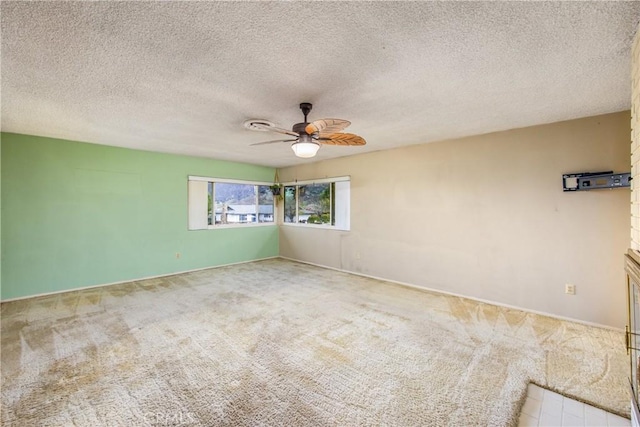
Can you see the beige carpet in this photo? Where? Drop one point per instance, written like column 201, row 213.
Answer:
column 281, row 343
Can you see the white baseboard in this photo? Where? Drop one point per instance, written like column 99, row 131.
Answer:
column 397, row 282
column 439, row 291
column 132, row 280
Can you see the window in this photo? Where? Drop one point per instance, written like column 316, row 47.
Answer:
column 214, row 203
column 318, row 203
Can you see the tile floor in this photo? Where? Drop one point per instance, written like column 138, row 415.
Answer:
column 549, row 409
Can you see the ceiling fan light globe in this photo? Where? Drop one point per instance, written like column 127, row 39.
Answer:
column 305, row 149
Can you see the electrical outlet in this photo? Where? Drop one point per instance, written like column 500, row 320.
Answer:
column 177, row 255
column 357, row 255
column 570, row 289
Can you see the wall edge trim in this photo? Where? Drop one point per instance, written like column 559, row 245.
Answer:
column 438, row 291
column 133, row 280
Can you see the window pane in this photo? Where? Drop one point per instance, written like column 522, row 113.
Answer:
column 210, row 203
column 235, row 203
column 314, row 203
column 333, row 203
column 265, row 204
column 318, row 204
column 290, row 204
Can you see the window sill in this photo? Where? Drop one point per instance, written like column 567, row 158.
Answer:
column 314, row 226
column 225, row 226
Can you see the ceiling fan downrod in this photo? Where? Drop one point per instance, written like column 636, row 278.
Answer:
column 306, row 109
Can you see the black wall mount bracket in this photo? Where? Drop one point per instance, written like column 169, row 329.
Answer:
column 595, row 180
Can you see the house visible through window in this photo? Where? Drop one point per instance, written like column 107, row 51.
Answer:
column 214, row 202
column 239, row 203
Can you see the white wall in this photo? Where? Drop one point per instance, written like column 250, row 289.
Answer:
column 486, row 217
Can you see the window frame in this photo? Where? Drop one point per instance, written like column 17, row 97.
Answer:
column 327, row 226
column 215, row 226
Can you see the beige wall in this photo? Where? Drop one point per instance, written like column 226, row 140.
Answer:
column 486, row 217
column 635, row 141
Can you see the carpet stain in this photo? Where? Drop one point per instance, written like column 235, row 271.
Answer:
column 330, row 355
column 459, row 310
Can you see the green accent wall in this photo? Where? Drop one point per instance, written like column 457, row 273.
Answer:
column 0, row 213
column 77, row 214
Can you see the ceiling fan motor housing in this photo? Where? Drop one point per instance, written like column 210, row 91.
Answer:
column 299, row 128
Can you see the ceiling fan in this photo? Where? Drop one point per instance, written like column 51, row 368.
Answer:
column 309, row 136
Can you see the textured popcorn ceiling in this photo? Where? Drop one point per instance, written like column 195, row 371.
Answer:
column 181, row 77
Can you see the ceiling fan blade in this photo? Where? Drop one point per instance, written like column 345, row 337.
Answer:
column 341, row 139
column 273, row 129
column 274, row 141
column 327, row 126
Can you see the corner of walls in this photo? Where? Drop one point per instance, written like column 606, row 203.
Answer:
column 635, row 141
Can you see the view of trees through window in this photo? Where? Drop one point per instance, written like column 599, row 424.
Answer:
column 231, row 203
column 310, row 204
